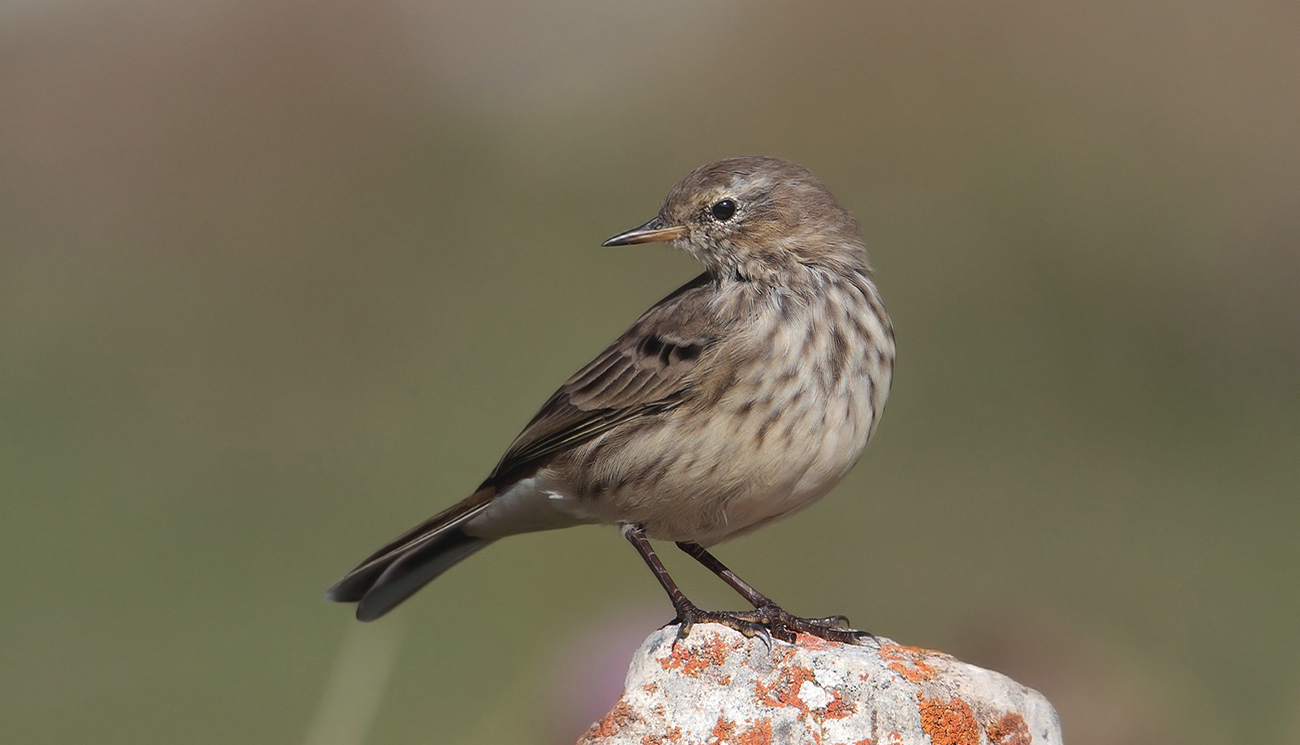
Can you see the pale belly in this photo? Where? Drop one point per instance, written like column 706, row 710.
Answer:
column 714, row 481
column 772, row 446
column 741, row 472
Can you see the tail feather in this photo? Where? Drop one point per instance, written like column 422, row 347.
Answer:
column 395, row 572
column 415, row 569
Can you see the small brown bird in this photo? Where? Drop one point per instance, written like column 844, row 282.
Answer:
column 734, row 402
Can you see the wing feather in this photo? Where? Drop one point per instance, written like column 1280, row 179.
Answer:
column 645, row 372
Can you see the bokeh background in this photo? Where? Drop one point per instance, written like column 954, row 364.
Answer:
column 279, row 279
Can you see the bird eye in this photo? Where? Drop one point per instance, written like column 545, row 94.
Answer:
column 723, row 210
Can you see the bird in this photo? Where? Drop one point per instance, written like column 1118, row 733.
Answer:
column 734, row 402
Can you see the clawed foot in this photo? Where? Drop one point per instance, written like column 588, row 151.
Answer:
column 771, row 620
column 785, row 626
column 688, row 615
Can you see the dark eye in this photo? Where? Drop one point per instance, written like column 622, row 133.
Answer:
column 723, row 209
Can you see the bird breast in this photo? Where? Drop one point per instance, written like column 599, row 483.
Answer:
column 783, row 410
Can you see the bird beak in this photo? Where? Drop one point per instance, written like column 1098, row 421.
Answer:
column 654, row 230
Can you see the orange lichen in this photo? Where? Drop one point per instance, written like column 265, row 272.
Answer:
column 759, row 734
column 785, row 691
column 693, row 662
column 909, row 662
column 1011, row 729
column 723, row 730
column 609, row 725
column 949, row 722
column 838, row 708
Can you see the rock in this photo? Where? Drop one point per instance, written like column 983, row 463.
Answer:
column 718, row 687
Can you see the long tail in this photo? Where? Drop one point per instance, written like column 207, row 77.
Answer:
column 397, row 571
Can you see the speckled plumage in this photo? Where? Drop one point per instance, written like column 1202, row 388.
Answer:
column 737, row 400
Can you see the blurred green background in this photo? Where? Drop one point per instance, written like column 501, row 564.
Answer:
column 279, row 279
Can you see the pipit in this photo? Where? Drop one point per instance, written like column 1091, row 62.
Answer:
column 734, row 402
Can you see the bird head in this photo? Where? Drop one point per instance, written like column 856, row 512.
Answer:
column 753, row 218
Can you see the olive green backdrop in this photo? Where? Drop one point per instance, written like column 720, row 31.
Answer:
column 278, row 280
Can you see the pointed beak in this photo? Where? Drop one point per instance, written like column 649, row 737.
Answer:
column 653, row 231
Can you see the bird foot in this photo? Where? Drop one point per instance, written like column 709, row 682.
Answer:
column 770, row 621
column 743, row 621
column 786, row 626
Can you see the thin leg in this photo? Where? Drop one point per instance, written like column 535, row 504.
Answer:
column 781, row 624
column 746, row 590
column 688, row 614
column 636, row 535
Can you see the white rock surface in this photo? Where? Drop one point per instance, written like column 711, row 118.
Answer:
column 718, row 687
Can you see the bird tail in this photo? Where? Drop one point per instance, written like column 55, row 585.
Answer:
column 395, row 572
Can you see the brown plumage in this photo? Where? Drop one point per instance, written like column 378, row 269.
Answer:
column 737, row 400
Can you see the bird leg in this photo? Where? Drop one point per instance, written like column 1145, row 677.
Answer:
column 781, row 624
column 688, row 614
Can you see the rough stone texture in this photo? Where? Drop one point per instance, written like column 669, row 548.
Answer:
column 718, row 687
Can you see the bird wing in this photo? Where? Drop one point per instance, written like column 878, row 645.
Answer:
column 644, row 372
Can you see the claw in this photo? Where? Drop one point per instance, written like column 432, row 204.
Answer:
column 684, row 630
column 866, row 637
column 787, row 627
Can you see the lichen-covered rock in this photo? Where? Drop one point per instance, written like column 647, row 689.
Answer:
column 718, row 687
